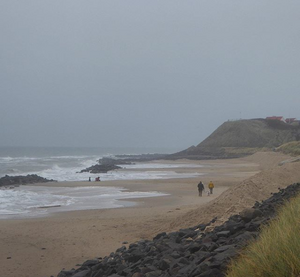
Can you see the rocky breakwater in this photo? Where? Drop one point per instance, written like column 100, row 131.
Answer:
column 104, row 165
column 194, row 252
column 107, row 164
column 112, row 161
column 100, row 168
column 22, row 180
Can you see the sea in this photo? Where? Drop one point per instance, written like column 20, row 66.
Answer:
column 63, row 164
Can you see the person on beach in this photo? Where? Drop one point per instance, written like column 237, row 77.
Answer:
column 89, row 179
column 200, row 188
column 211, row 187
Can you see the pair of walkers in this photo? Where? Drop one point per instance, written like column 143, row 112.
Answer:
column 201, row 187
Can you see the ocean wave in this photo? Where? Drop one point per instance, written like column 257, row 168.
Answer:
column 65, row 168
column 35, row 201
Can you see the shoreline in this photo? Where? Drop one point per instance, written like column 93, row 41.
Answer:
column 43, row 246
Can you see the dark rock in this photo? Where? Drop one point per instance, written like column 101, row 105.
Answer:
column 90, row 263
column 83, row 273
column 156, row 273
column 211, row 273
column 134, row 256
column 252, row 226
column 201, row 227
column 183, row 261
column 100, row 168
column 175, row 255
column 209, row 246
column 160, row 235
column 234, row 226
column 194, row 247
column 185, row 271
column 223, row 234
column 164, row 264
column 190, row 234
column 223, row 248
column 244, row 238
column 205, row 265
column 111, row 161
column 138, row 274
column 223, row 257
column 65, row 273
column 249, row 214
column 22, row 180
column 121, row 249
column 145, row 270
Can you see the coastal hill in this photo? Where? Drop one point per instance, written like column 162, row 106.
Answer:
column 239, row 138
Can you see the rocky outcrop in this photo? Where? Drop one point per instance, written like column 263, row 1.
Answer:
column 112, row 161
column 107, row 164
column 100, row 168
column 194, row 252
column 22, row 180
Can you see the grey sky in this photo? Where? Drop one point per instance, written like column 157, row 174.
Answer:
column 143, row 73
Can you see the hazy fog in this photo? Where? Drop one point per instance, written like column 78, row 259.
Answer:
column 143, row 73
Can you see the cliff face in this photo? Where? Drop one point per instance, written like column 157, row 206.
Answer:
column 238, row 138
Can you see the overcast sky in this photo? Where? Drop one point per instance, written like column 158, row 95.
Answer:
column 143, row 73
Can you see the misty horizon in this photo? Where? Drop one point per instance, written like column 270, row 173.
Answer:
column 143, row 74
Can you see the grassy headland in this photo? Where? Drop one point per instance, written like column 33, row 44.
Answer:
column 234, row 139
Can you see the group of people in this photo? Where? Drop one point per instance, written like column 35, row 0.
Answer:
column 201, row 188
column 97, row 179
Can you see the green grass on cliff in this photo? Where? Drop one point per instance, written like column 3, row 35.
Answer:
column 244, row 150
column 277, row 251
column 290, row 148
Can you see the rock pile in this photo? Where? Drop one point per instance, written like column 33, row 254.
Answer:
column 112, row 161
column 100, row 168
column 107, row 164
column 194, row 252
column 22, row 180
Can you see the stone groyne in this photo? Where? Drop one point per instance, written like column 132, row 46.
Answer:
column 22, row 180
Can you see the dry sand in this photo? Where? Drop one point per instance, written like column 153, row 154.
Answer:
column 41, row 247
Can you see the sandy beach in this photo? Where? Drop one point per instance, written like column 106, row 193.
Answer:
column 42, row 247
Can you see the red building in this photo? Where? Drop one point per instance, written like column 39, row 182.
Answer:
column 280, row 118
column 290, row 120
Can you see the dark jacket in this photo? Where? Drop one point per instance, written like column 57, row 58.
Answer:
column 200, row 186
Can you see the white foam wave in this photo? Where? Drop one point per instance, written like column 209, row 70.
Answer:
column 65, row 168
column 23, row 200
column 161, row 165
column 35, row 201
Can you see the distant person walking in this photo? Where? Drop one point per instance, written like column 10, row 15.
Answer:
column 200, row 188
column 211, row 187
